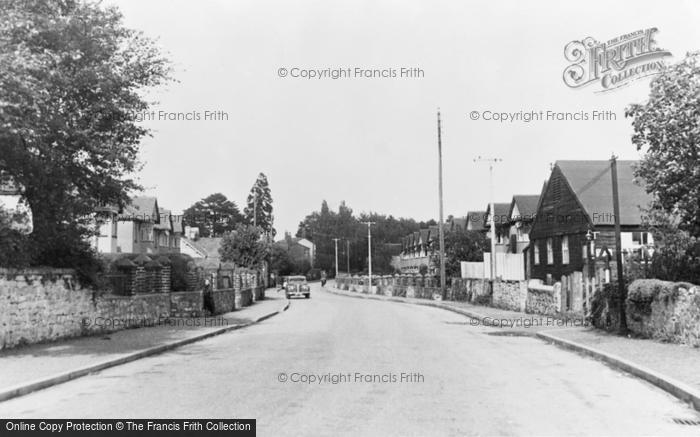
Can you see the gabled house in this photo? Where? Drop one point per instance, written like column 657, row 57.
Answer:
column 575, row 219
column 300, row 250
column 501, row 224
column 141, row 227
column 521, row 214
column 168, row 232
column 476, row 220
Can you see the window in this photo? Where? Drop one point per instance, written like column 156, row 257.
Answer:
column 565, row 249
column 640, row 238
column 146, row 232
column 536, row 252
column 550, row 251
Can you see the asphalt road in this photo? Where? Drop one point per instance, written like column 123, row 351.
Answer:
column 457, row 380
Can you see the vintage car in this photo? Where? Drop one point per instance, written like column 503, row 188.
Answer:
column 297, row 286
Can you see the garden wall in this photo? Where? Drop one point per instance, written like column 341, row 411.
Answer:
column 38, row 305
column 664, row 311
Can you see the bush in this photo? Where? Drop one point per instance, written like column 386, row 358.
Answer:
column 180, row 265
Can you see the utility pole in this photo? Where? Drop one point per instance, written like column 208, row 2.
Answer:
column 492, row 162
column 622, row 291
column 441, row 230
column 347, row 255
column 335, row 240
column 369, row 251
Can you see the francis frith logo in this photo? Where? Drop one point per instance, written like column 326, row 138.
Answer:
column 614, row 63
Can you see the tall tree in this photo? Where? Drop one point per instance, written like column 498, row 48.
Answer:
column 72, row 79
column 258, row 211
column 667, row 129
column 244, row 247
column 214, row 215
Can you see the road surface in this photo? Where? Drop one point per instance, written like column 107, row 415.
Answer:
column 457, row 380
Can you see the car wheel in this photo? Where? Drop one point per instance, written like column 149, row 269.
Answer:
column 308, row 296
column 287, row 296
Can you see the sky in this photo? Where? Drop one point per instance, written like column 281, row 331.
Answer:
column 372, row 142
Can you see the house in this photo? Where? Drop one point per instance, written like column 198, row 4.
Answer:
column 141, row 227
column 521, row 214
column 300, row 250
column 168, row 232
column 205, row 250
column 418, row 249
column 12, row 203
column 476, row 220
column 575, row 219
column 501, row 224
column 456, row 224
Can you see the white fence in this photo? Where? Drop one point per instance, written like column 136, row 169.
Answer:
column 509, row 267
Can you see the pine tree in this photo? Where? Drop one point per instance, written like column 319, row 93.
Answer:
column 258, row 211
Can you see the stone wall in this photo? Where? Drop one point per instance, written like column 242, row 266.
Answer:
column 510, row 295
column 543, row 299
column 38, row 305
column 664, row 311
column 220, row 301
column 187, row 303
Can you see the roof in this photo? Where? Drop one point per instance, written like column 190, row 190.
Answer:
column 501, row 213
column 425, row 235
column 459, row 224
column 527, row 205
column 475, row 220
column 141, row 208
column 209, row 245
column 591, row 181
column 176, row 220
column 164, row 217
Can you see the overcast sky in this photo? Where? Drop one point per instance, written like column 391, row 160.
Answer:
column 373, row 142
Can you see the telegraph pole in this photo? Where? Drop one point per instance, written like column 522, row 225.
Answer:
column 335, row 240
column 492, row 162
column 618, row 245
column 369, row 251
column 347, row 255
column 441, row 230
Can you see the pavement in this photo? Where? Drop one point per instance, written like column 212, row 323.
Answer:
column 672, row 367
column 29, row 368
column 331, row 365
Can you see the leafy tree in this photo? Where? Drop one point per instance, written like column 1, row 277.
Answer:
column 678, row 257
column 71, row 84
column 244, row 247
column 258, row 211
column 324, row 225
column 667, row 129
column 280, row 261
column 15, row 250
column 463, row 246
column 214, row 215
